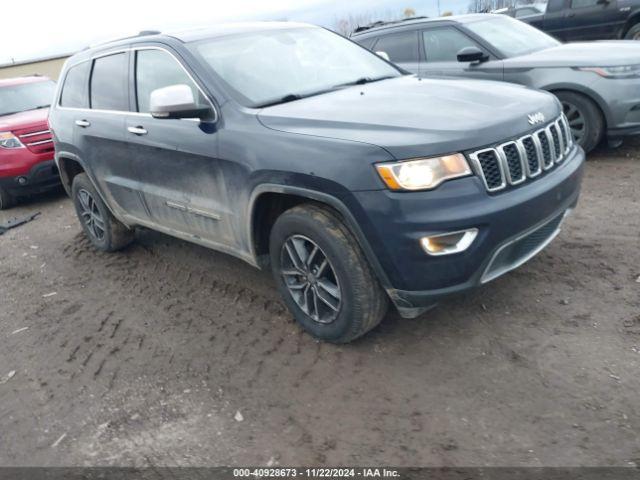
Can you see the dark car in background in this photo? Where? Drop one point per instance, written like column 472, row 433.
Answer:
column 26, row 146
column 297, row 150
column 577, row 20
column 598, row 83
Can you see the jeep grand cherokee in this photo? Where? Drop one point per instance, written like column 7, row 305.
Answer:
column 294, row 148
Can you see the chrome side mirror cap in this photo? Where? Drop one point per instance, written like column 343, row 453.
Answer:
column 176, row 101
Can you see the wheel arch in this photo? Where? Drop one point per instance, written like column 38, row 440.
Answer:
column 633, row 19
column 590, row 94
column 268, row 201
column 69, row 165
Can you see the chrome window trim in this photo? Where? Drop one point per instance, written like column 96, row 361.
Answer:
column 478, row 167
column 506, row 167
column 134, row 49
column 538, row 148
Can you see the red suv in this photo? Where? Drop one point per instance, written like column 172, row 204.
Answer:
column 26, row 147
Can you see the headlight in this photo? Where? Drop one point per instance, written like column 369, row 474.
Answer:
column 625, row 71
column 423, row 173
column 9, row 140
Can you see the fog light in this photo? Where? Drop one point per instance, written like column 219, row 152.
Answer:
column 22, row 180
column 448, row 243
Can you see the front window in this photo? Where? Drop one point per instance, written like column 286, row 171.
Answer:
column 28, row 96
column 274, row 66
column 511, row 37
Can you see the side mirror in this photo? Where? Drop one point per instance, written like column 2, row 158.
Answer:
column 383, row 55
column 471, row 54
column 175, row 101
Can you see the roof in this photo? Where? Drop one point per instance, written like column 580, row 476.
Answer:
column 223, row 29
column 9, row 82
column 377, row 27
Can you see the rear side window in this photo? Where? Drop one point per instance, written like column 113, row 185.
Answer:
column 157, row 69
column 401, row 47
column 443, row 44
column 74, row 89
column 367, row 42
column 109, row 83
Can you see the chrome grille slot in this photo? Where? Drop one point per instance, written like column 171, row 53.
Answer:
column 513, row 159
column 489, row 167
column 512, row 162
column 533, row 156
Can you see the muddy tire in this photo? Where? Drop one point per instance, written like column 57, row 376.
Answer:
column 633, row 33
column 6, row 199
column 323, row 276
column 585, row 119
column 103, row 230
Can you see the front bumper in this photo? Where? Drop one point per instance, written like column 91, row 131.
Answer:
column 620, row 100
column 513, row 226
column 39, row 178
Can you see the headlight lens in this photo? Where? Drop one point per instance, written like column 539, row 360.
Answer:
column 423, row 173
column 9, row 140
column 625, row 71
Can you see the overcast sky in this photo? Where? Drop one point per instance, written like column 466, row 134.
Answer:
column 41, row 28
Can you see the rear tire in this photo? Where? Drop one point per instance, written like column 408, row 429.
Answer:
column 338, row 302
column 633, row 33
column 585, row 119
column 103, row 230
column 6, row 199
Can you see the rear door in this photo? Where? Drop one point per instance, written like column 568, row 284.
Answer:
column 593, row 20
column 100, row 134
column 402, row 48
column 441, row 45
column 181, row 177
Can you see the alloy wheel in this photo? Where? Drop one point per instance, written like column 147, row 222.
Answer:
column 90, row 214
column 576, row 120
column 310, row 279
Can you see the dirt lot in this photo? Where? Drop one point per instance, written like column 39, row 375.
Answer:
column 147, row 356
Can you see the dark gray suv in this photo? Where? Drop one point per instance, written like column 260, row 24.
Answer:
column 293, row 148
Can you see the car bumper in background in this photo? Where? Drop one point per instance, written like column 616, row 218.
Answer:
column 621, row 98
column 512, row 227
column 40, row 177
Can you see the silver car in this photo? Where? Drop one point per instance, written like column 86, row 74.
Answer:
column 598, row 83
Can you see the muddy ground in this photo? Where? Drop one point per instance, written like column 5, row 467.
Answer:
column 147, row 356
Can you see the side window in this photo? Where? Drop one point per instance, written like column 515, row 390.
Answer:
column 443, row 44
column 401, row 47
column 367, row 42
column 157, row 69
column 108, row 85
column 74, row 89
column 555, row 6
column 584, row 3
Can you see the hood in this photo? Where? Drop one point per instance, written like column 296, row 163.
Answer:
column 413, row 117
column 581, row 54
column 23, row 120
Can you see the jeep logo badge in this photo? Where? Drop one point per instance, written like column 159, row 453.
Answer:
column 535, row 118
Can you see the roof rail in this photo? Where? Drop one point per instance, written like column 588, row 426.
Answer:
column 142, row 33
column 380, row 23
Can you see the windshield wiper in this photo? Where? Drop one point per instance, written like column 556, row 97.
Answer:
column 40, row 107
column 364, row 80
column 291, row 97
column 2, row 114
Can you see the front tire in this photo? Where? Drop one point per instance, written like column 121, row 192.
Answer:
column 323, row 276
column 103, row 230
column 6, row 199
column 633, row 33
column 585, row 119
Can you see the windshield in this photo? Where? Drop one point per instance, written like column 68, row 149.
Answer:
column 511, row 37
column 28, row 96
column 274, row 66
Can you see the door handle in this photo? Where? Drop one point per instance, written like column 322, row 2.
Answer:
column 83, row 123
column 137, row 130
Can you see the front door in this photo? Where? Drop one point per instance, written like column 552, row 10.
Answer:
column 176, row 159
column 441, row 47
column 593, row 20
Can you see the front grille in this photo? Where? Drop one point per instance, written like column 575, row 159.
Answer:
column 513, row 162
column 36, row 139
